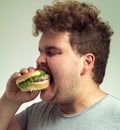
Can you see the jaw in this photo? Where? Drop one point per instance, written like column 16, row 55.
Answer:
column 49, row 93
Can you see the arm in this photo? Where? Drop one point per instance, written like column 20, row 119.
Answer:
column 14, row 124
column 8, row 109
column 11, row 101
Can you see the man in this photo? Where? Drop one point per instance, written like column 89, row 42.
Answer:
column 74, row 47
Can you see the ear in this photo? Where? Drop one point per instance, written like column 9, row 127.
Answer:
column 89, row 60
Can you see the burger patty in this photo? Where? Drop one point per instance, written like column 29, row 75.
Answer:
column 42, row 78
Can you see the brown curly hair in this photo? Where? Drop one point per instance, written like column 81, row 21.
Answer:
column 89, row 34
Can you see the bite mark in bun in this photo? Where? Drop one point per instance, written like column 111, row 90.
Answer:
column 36, row 80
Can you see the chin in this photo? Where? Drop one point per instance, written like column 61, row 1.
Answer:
column 49, row 93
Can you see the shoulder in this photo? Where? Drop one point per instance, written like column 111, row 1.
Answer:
column 112, row 111
column 36, row 113
column 111, row 106
column 41, row 107
column 110, row 102
column 108, row 106
column 113, row 100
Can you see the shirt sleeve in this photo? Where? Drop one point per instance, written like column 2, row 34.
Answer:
column 24, row 118
column 34, row 116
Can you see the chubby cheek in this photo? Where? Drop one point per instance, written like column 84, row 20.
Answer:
column 61, row 74
column 63, row 68
column 57, row 72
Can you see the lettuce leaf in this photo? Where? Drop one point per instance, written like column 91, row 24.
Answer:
column 31, row 79
column 26, row 82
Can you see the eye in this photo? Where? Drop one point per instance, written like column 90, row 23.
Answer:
column 51, row 53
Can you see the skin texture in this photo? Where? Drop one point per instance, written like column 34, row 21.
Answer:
column 64, row 58
column 72, row 89
column 72, row 73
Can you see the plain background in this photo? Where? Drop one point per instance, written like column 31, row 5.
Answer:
column 19, row 49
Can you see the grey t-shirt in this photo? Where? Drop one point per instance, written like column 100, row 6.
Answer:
column 103, row 115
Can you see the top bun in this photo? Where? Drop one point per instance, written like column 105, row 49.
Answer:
column 37, row 85
column 26, row 76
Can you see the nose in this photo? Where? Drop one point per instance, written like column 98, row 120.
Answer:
column 41, row 59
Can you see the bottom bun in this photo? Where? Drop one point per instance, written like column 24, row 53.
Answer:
column 36, row 86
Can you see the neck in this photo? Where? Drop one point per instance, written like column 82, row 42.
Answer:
column 83, row 101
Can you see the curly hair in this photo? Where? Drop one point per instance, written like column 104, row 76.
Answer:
column 89, row 34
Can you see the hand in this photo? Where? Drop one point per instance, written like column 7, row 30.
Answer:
column 14, row 93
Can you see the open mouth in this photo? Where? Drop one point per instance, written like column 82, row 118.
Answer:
column 49, row 73
column 51, row 79
column 51, row 76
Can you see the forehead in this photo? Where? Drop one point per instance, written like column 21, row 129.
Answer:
column 60, row 39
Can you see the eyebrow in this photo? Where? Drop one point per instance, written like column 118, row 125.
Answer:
column 48, row 48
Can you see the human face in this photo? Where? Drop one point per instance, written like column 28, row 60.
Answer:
column 58, row 57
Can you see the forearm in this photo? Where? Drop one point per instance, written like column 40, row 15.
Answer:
column 8, row 109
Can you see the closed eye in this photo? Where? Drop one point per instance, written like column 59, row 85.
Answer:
column 52, row 51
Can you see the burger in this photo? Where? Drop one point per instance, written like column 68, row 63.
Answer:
column 36, row 80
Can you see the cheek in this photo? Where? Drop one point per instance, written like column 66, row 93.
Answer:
column 64, row 73
column 64, row 68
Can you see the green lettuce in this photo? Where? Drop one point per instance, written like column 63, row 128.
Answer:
column 31, row 79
